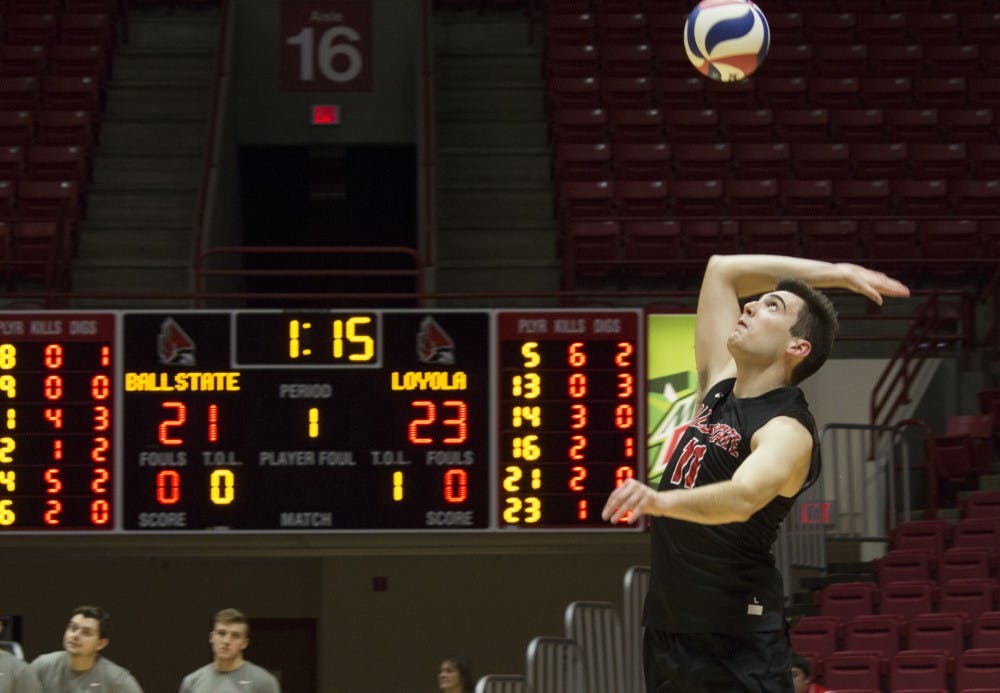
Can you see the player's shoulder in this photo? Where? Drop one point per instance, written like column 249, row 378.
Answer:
column 48, row 659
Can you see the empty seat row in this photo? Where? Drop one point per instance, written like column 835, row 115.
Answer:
column 859, row 671
column 950, row 633
column 639, row 250
column 899, row 565
column 596, row 91
column 968, row 596
column 765, row 125
column 31, row 28
column 52, row 127
column 835, row 160
column 979, row 528
column 612, row 198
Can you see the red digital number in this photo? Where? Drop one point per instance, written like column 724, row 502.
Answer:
column 460, row 422
column 622, row 474
column 101, row 446
column 51, row 477
column 577, row 448
column 57, row 449
column 168, row 487
column 97, row 485
column 102, row 418
column 579, row 416
column 626, row 385
column 53, row 356
column 623, row 357
column 576, row 481
column 624, row 416
column 51, row 516
column 213, row 423
column 100, row 512
column 105, row 356
column 54, row 417
column 577, row 385
column 456, row 486
column 430, row 413
column 577, row 358
column 100, row 387
column 180, row 418
column 53, row 387
column 581, row 509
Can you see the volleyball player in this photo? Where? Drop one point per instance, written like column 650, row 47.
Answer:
column 714, row 613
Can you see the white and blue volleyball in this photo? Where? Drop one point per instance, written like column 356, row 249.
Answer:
column 726, row 39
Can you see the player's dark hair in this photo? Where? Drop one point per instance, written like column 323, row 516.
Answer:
column 102, row 617
column 816, row 323
column 229, row 616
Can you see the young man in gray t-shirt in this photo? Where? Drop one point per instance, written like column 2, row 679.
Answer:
column 79, row 667
column 229, row 672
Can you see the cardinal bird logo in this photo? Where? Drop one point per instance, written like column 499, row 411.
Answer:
column 434, row 345
column 174, row 346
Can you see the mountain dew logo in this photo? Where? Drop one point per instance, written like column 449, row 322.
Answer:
column 672, row 388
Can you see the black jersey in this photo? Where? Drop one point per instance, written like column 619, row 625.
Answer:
column 722, row 578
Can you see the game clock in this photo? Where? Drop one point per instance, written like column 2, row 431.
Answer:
column 312, row 421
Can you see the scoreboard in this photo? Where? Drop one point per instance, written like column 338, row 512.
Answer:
column 299, row 421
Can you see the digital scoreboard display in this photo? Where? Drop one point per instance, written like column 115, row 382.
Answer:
column 311, row 421
column 57, row 409
column 569, row 427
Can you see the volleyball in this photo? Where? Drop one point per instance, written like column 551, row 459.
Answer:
column 726, row 40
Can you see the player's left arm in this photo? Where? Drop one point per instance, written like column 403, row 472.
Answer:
column 781, row 452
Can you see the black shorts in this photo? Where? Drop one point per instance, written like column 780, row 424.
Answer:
column 758, row 662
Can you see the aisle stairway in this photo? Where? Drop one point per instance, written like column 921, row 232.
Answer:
column 138, row 233
column 495, row 229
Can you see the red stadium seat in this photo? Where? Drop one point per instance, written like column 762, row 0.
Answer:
column 846, row 670
column 590, row 250
column 698, row 197
column 921, row 197
column 71, row 94
column 969, row 125
column 859, row 125
column 669, row 58
column 816, row 634
column 614, row 27
column 899, row 565
column 950, row 239
column 636, row 125
column 806, row 197
column 11, row 162
column 977, row 669
column 19, row 60
column 641, row 198
column 627, row 59
column 17, row 128
column 959, row 563
column 918, row 669
column 970, row 596
column 691, row 125
column 951, row 60
column 831, row 240
column 941, row 92
column 986, row 630
column 892, row 60
column 980, row 27
column 970, row 196
column 931, row 535
column 761, row 160
column 571, row 60
column 976, row 532
column 882, row 28
column 73, row 128
column 939, row 159
column 879, row 160
column 781, row 92
column 826, row 27
column 874, row 633
column 754, row 197
column 804, row 125
column 984, row 92
column 90, row 29
column 943, row 631
column 30, row 28
column 906, row 599
column 572, row 92
column 577, row 200
column 19, row 94
column 627, row 92
column 981, row 504
column 887, row 92
column 701, row 160
column 931, row 28
column 840, row 59
column 746, row 125
column 979, row 427
column 569, row 27
column 57, row 162
column 787, row 60
column 80, row 61
column 679, row 92
column 844, row 600
column 651, row 247
column 706, row 237
column 724, row 95
column 891, row 241
column 770, row 237
column 581, row 161
column 821, row 160
column 638, row 160
column 912, row 124
column 578, row 125
column 786, row 27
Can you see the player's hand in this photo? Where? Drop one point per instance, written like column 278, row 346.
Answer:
column 871, row 283
column 630, row 500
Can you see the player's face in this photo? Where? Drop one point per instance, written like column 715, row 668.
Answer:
column 228, row 641
column 448, row 677
column 82, row 637
column 764, row 328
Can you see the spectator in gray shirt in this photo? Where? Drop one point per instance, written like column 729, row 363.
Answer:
column 229, row 672
column 79, row 667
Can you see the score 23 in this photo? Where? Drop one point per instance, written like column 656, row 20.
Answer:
column 326, row 46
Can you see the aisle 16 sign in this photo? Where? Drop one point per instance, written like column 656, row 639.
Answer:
column 326, row 46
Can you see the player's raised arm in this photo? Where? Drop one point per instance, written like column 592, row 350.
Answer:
column 729, row 278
